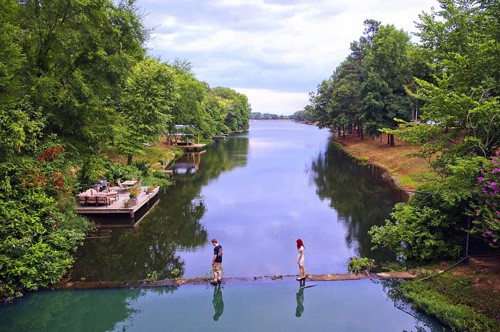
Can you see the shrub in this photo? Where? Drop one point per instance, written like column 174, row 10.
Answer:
column 358, row 265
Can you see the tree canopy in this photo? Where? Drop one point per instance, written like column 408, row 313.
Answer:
column 442, row 94
column 75, row 83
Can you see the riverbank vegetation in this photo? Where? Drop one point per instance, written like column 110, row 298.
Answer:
column 442, row 95
column 79, row 94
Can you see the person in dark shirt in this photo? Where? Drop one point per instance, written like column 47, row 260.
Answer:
column 217, row 261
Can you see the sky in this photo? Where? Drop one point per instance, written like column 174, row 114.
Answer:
column 273, row 51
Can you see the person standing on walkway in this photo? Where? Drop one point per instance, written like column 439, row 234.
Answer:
column 217, row 261
column 301, row 259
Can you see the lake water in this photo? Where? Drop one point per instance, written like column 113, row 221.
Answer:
column 256, row 193
column 270, row 306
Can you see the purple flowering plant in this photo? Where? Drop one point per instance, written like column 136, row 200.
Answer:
column 486, row 209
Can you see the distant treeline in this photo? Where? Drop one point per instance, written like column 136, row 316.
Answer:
column 267, row 116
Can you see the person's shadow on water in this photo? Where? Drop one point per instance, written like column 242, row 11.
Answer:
column 218, row 302
column 300, row 299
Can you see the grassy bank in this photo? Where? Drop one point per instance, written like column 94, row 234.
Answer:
column 407, row 172
column 463, row 300
column 468, row 297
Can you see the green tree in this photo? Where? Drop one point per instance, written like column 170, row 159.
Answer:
column 20, row 131
column 78, row 54
column 148, row 97
column 461, row 99
column 190, row 107
column 387, row 70
column 11, row 55
column 235, row 108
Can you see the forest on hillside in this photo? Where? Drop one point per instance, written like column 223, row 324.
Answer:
column 441, row 93
column 76, row 87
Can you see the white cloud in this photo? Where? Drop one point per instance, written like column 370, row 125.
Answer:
column 272, row 47
column 275, row 102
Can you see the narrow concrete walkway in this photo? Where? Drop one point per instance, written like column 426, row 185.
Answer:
column 68, row 284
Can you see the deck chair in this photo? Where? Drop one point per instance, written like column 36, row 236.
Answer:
column 92, row 200
column 82, row 199
column 104, row 200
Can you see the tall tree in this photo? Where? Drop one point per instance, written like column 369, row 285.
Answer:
column 236, row 108
column 149, row 95
column 78, row 54
column 11, row 54
column 387, row 70
column 190, row 108
column 460, row 42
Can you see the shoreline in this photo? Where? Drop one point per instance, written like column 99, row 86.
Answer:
column 403, row 171
column 271, row 120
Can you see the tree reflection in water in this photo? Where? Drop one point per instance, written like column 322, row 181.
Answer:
column 358, row 193
column 151, row 250
column 83, row 310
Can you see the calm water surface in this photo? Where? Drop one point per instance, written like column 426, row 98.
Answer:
column 274, row 306
column 256, row 193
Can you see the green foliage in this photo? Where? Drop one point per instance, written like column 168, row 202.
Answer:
column 486, row 206
column 149, row 94
column 38, row 234
column 359, row 265
column 231, row 108
column 461, row 104
column 267, row 116
column 419, row 232
column 74, row 83
column 444, row 300
column 78, row 53
column 11, row 56
column 20, row 130
column 367, row 90
column 152, row 276
column 175, row 273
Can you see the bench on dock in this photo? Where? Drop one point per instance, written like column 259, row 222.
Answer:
column 93, row 197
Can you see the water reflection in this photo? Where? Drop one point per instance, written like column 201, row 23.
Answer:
column 151, row 250
column 189, row 163
column 251, row 306
column 218, row 302
column 300, row 299
column 358, row 193
column 256, row 193
column 93, row 310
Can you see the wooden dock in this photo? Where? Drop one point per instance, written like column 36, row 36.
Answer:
column 192, row 147
column 117, row 214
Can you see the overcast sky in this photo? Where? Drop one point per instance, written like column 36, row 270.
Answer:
column 274, row 51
